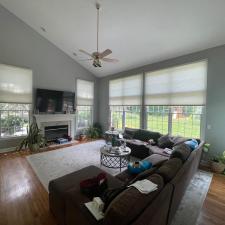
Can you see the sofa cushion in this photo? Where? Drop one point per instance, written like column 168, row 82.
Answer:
column 129, row 133
column 155, row 159
column 154, row 149
column 139, row 149
column 169, row 169
column 165, row 141
column 125, row 176
column 181, row 151
column 144, row 174
column 178, row 140
column 130, row 203
column 145, row 135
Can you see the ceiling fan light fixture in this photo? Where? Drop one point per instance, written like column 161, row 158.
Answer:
column 98, row 56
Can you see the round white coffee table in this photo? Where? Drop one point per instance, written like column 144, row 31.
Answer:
column 115, row 160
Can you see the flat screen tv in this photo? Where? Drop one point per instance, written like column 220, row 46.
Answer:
column 50, row 101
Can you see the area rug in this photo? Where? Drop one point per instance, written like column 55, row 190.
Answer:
column 53, row 164
column 192, row 201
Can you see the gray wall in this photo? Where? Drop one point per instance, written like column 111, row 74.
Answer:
column 215, row 108
column 21, row 46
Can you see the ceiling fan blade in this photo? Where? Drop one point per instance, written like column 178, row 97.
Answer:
column 110, row 60
column 105, row 53
column 81, row 50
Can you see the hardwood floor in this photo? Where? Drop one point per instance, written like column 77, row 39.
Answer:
column 24, row 201
column 213, row 210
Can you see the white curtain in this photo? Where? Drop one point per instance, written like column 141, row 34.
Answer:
column 180, row 85
column 85, row 92
column 126, row 91
column 15, row 84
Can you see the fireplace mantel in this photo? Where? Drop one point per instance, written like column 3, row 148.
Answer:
column 44, row 120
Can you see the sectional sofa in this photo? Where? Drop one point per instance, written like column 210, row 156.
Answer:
column 138, row 141
column 172, row 174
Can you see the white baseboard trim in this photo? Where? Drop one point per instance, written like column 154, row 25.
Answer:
column 5, row 150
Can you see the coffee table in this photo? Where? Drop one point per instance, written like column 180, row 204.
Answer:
column 115, row 160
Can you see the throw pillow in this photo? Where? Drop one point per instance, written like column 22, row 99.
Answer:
column 165, row 141
column 181, row 151
column 169, row 169
column 193, row 144
column 138, row 167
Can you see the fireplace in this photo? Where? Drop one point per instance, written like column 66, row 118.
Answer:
column 52, row 133
column 54, row 126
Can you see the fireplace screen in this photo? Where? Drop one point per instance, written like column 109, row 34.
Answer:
column 52, row 133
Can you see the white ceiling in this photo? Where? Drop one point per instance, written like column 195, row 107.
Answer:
column 139, row 32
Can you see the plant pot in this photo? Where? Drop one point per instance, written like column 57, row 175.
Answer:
column 34, row 147
column 83, row 137
column 217, row 167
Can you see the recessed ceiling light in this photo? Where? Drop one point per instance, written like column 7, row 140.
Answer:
column 43, row 29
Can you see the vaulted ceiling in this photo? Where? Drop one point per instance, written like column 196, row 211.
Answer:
column 139, row 32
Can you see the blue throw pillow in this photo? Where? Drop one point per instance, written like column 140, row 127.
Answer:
column 138, row 167
column 193, row 144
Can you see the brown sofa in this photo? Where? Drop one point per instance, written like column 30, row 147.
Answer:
column 130, row 207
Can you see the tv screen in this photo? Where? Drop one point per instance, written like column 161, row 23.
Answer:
column 50, row 101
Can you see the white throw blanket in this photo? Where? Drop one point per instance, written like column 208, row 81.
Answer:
column 144, row 186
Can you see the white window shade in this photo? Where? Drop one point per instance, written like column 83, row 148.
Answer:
column 126, row 91
column 15, row 84
column 85, row 92
column 181, row 85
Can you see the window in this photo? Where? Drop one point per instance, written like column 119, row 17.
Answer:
column 15, row 100
column 158, row 118
column 125, row 97
column 186, row 121
column 173, row 100
column 176, row 120
column 14, row 119
column 85, row 101
column 125, row 116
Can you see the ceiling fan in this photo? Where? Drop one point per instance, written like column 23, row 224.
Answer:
column 97, row 56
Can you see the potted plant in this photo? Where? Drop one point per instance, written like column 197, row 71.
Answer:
column 34, row 139
column 94, row 132
column 218, row 163
column 206, row 147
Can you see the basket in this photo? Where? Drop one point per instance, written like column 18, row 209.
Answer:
column 217, row 167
